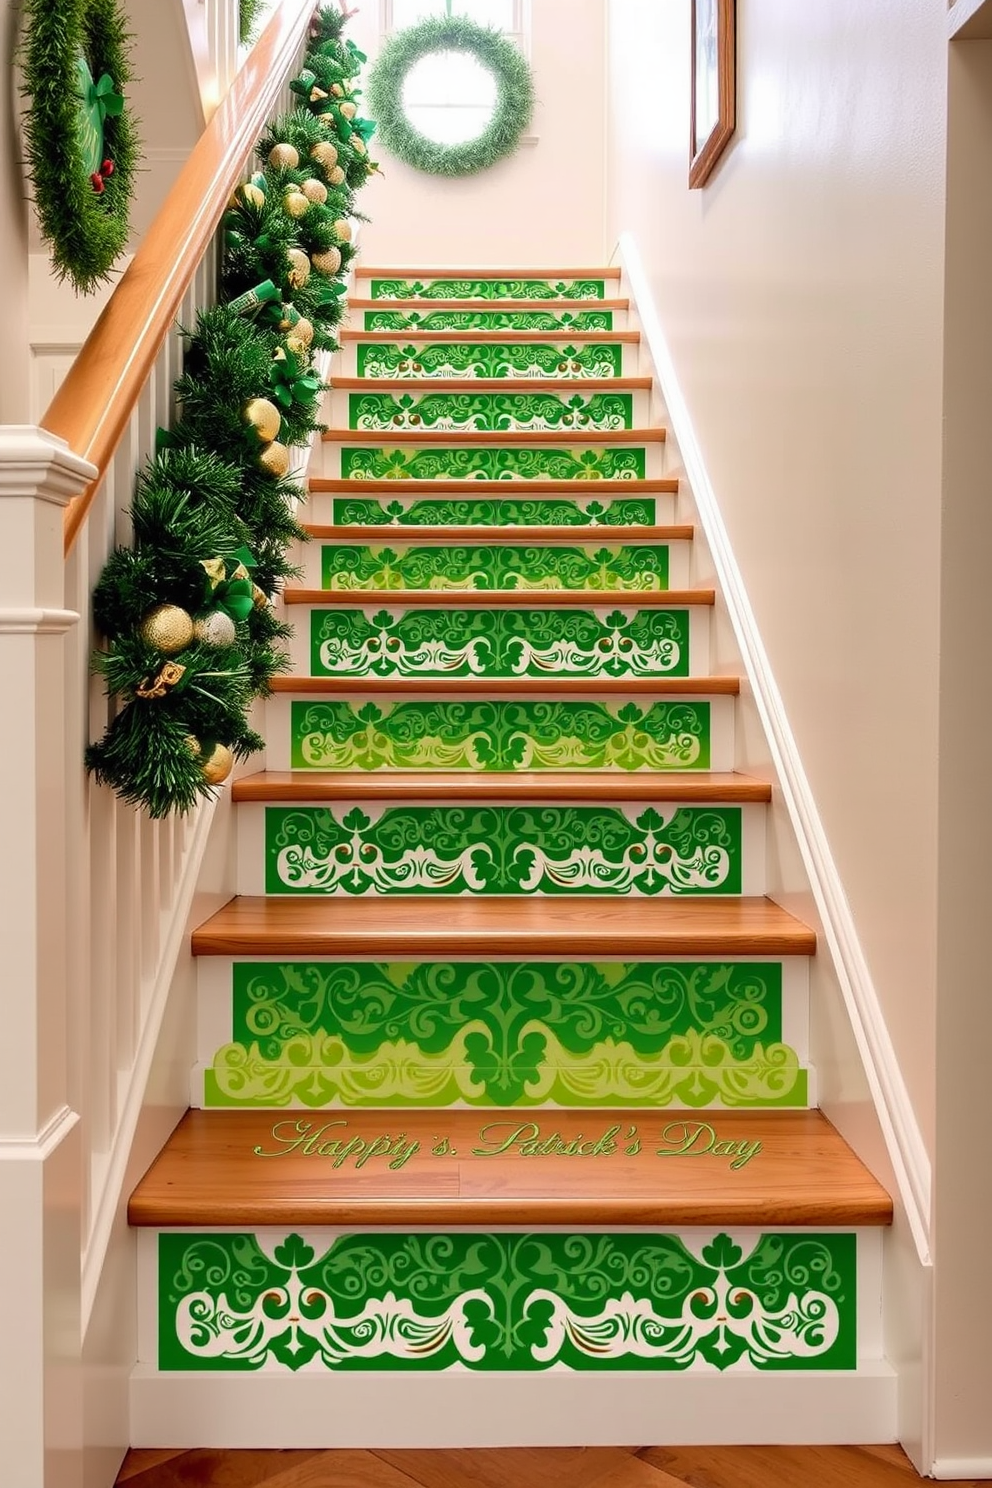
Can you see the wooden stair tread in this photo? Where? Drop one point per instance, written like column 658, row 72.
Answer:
column 390, row 437
column 524, row 785
column 363, row 271
column 574, row 928
column 413, row 335
column 421, row 302
column 508, row 488
column 498, row 536
column 541, row 687
column 537, row 599
column 491, row 384
column 803, row 1173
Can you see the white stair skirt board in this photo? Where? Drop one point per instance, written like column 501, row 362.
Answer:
column 554, row 1409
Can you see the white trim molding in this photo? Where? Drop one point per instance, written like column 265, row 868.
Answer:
column 901, row 1131
column 36, row 622
column 41, row 1146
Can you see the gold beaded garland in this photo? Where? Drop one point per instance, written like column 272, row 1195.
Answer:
column 299, row 267
column 328, row 262
column 284, row 157
column 274, row 460
column 295, row 203
column 168, row 628
column 314, row 190
column 264, row 418
column 218, row 766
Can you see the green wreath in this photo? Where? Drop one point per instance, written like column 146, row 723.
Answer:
column 81, row 146
column 514, row 96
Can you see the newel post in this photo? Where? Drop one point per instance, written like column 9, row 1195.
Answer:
column 40, row 1166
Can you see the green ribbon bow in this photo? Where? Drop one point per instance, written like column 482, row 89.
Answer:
column 303, row 83
column 289, row 382
column 354, row 52
column 228, row 584
column 102, row 95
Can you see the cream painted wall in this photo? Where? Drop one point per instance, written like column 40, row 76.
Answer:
column 544, row 202
column 801, row 294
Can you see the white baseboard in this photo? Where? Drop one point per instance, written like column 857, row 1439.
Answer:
column 559, row 1408
column 904, row 1140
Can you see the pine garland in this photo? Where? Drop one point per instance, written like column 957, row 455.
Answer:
column 191, row 636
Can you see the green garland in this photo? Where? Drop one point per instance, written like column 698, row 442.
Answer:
column 514, row 96
column 86, row 222
column 248, row 14
column 192, row 638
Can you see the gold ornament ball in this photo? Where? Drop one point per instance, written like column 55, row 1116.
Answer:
column 358, row 144
column 274, row 460
column 284, row 157
column 299, row 267
column 168, row 628
column 343, row 229
column 336, row 176
column 329, row 262
column 216, row 769
column 349, row 110
column 247, row 194
column 216, row 629
column 295, row 203
column 325, row 154
column 192, row 744
column 302, row 331
column 314, row 190
column 259, row 598
column 264, row 418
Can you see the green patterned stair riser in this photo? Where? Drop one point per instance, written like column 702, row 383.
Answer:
column 453, row 849
column 518, row 463
column 482, row 642
column 490, row 359
column 488, row 289
column 547, row 511
column 453, row 734
column 488, row 320
column 499, row 412
column 495, row 566
column 506, row 1034
column 239, row 1303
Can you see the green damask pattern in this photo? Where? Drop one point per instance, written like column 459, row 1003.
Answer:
column 535, row 567
column 481, row 642
column 237, row 1303
column 490, row 359
column 552, row 849
column 488, row 289
column 500, row 734
column 488, row 320
column 544, row 511
column 506, row 1034
column 513, row 463
column 382, row 413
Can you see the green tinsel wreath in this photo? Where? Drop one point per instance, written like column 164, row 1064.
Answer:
column 514, row 96
column 86, row 225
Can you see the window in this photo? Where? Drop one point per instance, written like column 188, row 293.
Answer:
column 450, row 97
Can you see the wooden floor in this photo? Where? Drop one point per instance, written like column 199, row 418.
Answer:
column 566, row 1467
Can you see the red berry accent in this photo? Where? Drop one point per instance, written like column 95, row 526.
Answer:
column 107, row 168
column 96, row 181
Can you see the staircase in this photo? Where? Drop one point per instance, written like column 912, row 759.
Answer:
column 504, row 1105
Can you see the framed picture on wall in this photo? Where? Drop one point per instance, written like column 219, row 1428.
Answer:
column 714, row 75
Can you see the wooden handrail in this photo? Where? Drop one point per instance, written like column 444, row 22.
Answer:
column 93, row 406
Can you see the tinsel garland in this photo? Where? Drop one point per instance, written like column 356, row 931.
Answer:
column 185, row 610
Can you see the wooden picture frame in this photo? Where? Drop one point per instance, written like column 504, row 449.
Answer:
column 713, row 114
